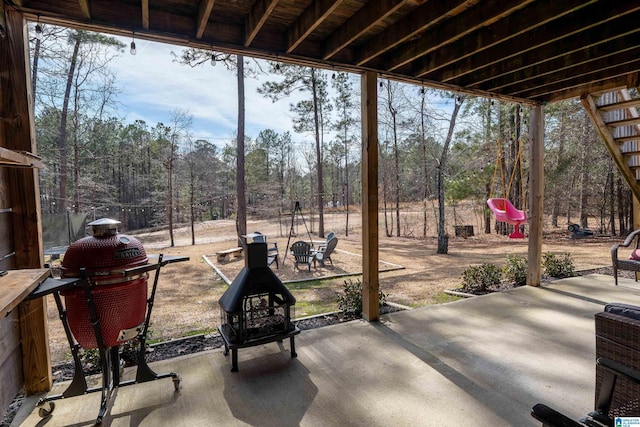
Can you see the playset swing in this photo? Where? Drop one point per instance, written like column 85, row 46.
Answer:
column 502, row 208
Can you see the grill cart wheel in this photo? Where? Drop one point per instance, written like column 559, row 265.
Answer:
column 46, row 408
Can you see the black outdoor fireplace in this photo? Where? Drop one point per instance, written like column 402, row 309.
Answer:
column 257, row 308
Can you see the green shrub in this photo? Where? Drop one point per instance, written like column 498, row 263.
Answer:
column 481, row 277
column 515, row 271
column 350, row 301
column 558, row 266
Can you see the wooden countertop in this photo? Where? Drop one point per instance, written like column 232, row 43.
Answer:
column 17, row 285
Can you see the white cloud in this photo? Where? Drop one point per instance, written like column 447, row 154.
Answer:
column 154, row 86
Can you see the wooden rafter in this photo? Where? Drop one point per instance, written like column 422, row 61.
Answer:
column 607, row 85
column 521, row 22
column 84, row 7
column 256, row 19
column 359, row 23
column 310, row 19
column 584, row 28
column 496, row 48
column 145, row 14
column 571, row 75
column 583, row 59
column 409, row 27
column 204, row 12
column 569, row 82
column 450, row 31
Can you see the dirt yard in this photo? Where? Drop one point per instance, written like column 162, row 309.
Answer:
column 412, row 274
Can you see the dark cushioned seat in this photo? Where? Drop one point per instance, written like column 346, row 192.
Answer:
column 626, row 310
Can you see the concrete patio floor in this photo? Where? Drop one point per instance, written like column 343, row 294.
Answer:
column 483, row 361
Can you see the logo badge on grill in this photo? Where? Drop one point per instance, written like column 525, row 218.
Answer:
column 127, row 253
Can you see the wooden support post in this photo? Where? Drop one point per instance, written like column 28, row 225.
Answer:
column 24, row 193
column 370, row 277
column 536, row 193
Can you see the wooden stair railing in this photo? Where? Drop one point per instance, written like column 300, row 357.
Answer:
column 616, row 118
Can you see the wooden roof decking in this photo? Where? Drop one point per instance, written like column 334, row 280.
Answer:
column 520, row 50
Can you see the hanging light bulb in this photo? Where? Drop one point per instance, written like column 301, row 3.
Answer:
column 133, row 51
column 38, row 29
column 213, row 59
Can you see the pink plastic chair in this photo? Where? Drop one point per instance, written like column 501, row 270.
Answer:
column 506, row 212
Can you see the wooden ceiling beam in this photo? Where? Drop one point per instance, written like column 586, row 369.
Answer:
column 257, row 17
column 310, row 19
column 583, row 59
column 554, row 35
column 145, row 14
column 204, row 12
column 520, row 22
column 84, row 7
column 374, row 12
column 623, row 34
column 451, row 30
column 409, row 27
column 563, row 82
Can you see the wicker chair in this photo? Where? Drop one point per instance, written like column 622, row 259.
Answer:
column 617, row 371
column 624, row 263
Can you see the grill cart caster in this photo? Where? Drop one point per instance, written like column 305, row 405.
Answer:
column 45, row 408
column 176, row 383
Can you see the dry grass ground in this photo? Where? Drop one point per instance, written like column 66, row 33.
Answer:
column 188, row 292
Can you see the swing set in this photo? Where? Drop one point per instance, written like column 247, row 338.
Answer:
column 502, row 208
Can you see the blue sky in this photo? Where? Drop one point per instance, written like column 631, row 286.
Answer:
column 153, row 86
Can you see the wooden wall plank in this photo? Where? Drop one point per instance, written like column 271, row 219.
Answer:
column 24, row 195
column 10, row 359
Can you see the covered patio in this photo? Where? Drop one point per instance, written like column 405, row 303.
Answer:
column 483, row 361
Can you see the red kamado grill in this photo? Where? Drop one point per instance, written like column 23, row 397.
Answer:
column 120, row 300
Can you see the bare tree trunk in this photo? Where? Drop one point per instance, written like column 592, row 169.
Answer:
column 487, row 212
column 555, row 207
column 396, row 174
column 443, row 237
column 34, row 68
column 612, row 213
column 320, row 184
column 488, row 187
column 192, row 192
column 584, row 176
column 621, row 211
column 346, row 182
column 241, row 214
column 170, row 194
column 62, row 139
